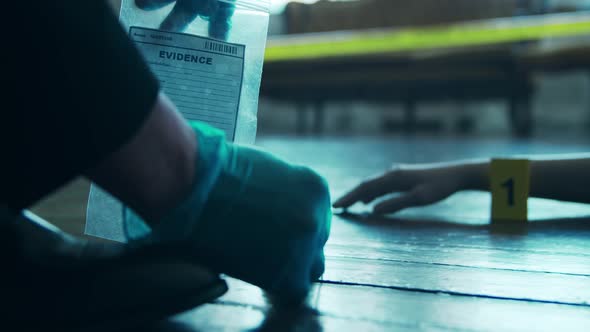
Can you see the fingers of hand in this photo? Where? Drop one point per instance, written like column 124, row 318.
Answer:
column 182, row 14
column 370, row 189
column 220, row 20
column 416, row 197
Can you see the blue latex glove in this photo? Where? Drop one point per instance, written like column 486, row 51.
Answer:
column 218, row 13
column 251, row 216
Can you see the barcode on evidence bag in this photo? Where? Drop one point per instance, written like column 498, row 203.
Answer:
column 218, row 47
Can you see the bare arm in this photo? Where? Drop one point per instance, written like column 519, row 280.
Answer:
column 154, row 171
column 556, row 177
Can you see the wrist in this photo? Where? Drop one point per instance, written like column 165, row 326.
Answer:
column 474, row 175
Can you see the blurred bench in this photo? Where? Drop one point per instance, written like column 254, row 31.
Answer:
column 324, row 15
column 459, row 74
column 469, row 75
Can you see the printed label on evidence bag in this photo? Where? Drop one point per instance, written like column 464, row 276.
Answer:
column 202, row 76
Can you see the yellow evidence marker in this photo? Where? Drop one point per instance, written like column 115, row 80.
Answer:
column 509, row 184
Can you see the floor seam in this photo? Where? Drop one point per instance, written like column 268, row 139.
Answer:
column 456, row 265
column 432, row 291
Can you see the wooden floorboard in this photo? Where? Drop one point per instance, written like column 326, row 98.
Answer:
column 543, row 265
column 361, row 308
column 460, row 280
column 216, row 317
column 463, row 256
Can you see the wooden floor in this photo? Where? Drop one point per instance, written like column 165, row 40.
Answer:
column 437, row 268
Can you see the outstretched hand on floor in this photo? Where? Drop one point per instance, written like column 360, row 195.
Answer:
column 417, row 185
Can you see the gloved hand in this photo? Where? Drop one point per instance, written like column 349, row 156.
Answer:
column 250, row 215
column 218, row 13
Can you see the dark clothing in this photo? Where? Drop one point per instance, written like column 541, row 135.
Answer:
column 78, row 90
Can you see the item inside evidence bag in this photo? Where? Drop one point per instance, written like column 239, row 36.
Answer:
column 208, row 56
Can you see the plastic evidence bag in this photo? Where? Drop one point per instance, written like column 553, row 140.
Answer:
column 208, row 56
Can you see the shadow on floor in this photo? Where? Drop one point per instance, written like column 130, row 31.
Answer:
column 277, row 319
column 501, row 227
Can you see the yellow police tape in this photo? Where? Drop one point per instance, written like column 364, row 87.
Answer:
column 456, row 35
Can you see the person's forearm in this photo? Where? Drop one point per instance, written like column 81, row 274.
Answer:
column 555, row 177
column 154, row 171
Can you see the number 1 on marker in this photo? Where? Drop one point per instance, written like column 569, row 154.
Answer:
column 509, row 185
